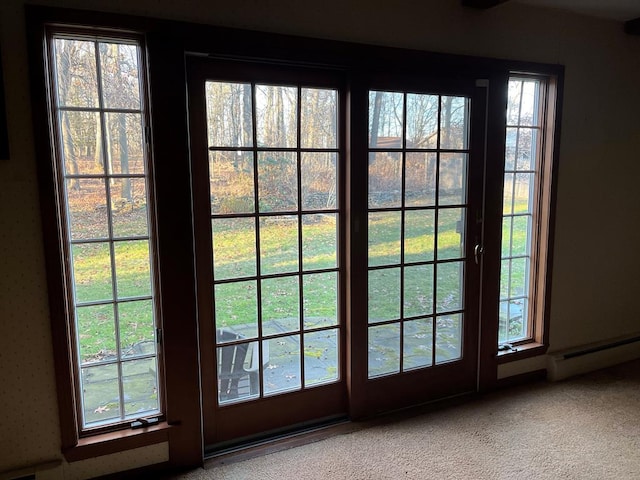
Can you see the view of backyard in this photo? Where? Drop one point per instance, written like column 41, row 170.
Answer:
column 274, row 228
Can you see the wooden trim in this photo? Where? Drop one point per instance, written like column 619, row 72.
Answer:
column 482, row 4
column 113, row 442
column 554, row 123
column 632, row 27
column 491, row 240
column 4, row 133
column 526, row 350
column 172, row 177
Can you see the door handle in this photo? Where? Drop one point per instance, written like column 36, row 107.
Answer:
column 477, row 251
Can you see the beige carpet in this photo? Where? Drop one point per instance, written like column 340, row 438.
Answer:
column 584, row 428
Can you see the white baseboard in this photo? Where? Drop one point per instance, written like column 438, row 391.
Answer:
column 592, row 357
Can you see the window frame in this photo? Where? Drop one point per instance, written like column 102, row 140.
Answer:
column 166, row 43
column 67, row 243
column 80, row 442
column 535, row 341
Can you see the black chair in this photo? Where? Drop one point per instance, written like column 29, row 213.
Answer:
column 236, row 362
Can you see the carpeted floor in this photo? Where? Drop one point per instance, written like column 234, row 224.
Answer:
column 584, row 428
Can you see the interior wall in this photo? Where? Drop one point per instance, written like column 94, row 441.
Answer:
column 595, row 279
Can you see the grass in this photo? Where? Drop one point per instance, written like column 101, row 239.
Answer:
column 234, row 244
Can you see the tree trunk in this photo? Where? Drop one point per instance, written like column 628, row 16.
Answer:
column 125, row 191
column 375, row 121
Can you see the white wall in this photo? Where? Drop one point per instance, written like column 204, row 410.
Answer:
column 595, row 280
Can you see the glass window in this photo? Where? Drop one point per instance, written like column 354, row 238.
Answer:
column 100, row 118
column 524, row 209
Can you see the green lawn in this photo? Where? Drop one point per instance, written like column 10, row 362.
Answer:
column 234, row 243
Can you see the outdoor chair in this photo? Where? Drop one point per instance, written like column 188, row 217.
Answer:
column 236, row 362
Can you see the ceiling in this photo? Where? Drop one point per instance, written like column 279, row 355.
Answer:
column 621, row 10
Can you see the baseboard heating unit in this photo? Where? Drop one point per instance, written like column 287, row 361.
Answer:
column 592, row 357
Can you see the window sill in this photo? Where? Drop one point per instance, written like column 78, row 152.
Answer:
column 114, row 442
column 525, row 350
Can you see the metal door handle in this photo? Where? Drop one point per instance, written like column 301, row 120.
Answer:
column 477, row 251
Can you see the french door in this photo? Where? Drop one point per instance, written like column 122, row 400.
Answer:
column 331, row 285
column 419, row 255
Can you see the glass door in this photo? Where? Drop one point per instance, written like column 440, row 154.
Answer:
column 284, row 340
column 266, row 156
column 423, row 216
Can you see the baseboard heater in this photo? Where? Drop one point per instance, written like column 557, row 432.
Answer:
column 30, row 472
column 593, row 357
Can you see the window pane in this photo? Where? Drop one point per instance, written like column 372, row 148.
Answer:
column 87, row 207
column 385, row 179
column 92, row 272
column 422, row 121
column 277, row 181
column 231, row 182
column 385, row 119
column 529, row 107
column 283, row 373
column 451, row 233
column 76, row 73
column 318, row 120
column 453, row 179
column 523, row 194
column 506, row 236
column 513, row 320
column 318, row 176
column 384, row 294
column 234, row 247
column 229, row 116
column 384, row 350
column 137, row 328
column 320, row 299
column 132, row 268
column 119, row 70
column 140, row 388
column 527, row 146
column 100, row 394
column 519, row 277
column 510, row 149
column 278, row 244
column 280, row 305
column 125, row 143
column 448, row 338
column 418, row 291
column 514, row 102
column 505, row 278
column 507, row 207
column 418, row 343
column 384, row 238
column 96, row 333
column 236, row 308
column 238, row 372
column 521, row 235
column 420, row 179
column 129, row 207
column 81, row 143
column 518, row 318
column 321, row 357
column 449, row 289
column 277, row 116
column 319, row 241
column 454, row 118
column 418, row 235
